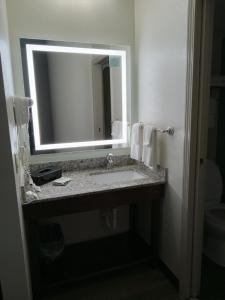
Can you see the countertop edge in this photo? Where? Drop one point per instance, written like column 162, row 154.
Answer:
column 108, row 190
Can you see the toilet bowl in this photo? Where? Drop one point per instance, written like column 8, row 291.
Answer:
column 214, row 229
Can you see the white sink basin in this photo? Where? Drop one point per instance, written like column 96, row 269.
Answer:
column 117, row 176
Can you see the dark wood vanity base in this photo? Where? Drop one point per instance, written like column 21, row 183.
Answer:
column 92, row 258
column 89, row 259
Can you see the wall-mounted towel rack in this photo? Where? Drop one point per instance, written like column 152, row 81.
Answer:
column 169, row 130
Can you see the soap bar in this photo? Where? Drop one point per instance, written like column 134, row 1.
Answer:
column 62, row 181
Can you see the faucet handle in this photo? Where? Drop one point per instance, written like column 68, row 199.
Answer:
column 109, row 156
column 109, row 159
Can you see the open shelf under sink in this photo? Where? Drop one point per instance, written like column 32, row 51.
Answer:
column 94, row 258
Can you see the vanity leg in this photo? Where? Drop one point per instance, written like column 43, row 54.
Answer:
column 34, row 258
column 133, row 211
column 156, row 226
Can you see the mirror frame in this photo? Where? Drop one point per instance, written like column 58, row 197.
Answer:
column 30, row 48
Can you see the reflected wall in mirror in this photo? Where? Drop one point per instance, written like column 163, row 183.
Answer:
column 79, row 93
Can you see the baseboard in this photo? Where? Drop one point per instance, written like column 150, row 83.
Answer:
column 173, row 279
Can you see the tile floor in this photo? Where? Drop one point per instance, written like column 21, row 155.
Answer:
column 141, row 283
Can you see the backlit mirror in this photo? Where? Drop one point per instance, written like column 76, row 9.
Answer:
column 79, row 94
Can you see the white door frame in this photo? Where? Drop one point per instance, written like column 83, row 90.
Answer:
column 200, row 33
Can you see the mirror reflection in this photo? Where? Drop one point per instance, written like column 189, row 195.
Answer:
column 79, row 97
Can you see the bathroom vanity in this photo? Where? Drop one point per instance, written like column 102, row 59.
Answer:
column 91, row 190
column 81, row 95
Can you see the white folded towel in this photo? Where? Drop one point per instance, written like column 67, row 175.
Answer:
column 117, row 130
column 117, row 133
column 149, row 155
column 136, row 141
column 21, row 105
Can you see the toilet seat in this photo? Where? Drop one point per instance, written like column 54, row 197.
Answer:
column 215, row 215
column 214, row 210
column 214, row 231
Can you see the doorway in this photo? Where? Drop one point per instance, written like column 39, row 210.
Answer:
column 205, row 166
column 213, row 258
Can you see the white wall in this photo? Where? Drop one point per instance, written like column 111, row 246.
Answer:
column 161, row 39
column 70, row 78
column 88, row 21
column 13, row 263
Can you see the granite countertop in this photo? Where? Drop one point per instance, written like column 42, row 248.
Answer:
column 83, row 182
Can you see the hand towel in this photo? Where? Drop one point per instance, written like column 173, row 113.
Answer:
column 136, row 141
column 117, row 130
column 149, row 155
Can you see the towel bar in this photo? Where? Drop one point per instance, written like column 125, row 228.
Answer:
column 169, row 130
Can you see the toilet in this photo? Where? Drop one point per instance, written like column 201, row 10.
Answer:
column 214, row 229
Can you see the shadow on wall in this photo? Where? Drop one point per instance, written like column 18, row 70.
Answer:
column 162, row 148
column 169, row 243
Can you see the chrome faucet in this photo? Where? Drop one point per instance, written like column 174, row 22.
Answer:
column 109, row 159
